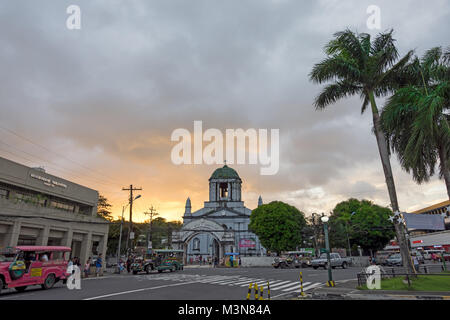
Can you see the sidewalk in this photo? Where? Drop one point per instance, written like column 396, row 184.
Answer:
column 346, row 290
column 192, row 266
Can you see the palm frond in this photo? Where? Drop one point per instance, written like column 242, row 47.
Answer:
column 334, row 92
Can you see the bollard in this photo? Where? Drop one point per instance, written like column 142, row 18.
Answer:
column 256, row 292
column 261, row 295
column 301, row 285
column 268, row 290
column 249, row 294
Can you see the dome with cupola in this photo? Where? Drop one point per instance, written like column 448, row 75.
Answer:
column 225, row 173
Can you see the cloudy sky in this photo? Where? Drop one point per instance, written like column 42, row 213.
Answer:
column 98, row 105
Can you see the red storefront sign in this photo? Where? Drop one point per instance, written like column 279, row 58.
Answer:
column 247, row 243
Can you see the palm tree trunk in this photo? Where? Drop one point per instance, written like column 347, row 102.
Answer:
column 384, row 154
column 445, row 168
column 383, row 149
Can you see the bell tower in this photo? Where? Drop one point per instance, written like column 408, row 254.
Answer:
column 225, row 185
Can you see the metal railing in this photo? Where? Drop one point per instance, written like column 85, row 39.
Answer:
column 422, row 270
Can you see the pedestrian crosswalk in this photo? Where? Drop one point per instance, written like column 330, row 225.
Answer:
column 284, row 286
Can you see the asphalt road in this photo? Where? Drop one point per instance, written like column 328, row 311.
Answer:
column 188, row 284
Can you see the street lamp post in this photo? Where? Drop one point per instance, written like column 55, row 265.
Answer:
column 327, row 246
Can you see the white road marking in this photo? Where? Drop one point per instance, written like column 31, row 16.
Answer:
column 243, row 280
column 245, row 285
column 297, row 286
column 138, row 290
column 314, row 285
column 280, row 285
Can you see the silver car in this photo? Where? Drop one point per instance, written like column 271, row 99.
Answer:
column 394, row 260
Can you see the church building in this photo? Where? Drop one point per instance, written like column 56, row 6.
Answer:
column 221, row 226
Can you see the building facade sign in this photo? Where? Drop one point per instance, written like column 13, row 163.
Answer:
column 247, row 243
column 48, row 182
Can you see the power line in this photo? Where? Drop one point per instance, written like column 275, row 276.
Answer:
column 54, row 165
column 62, row 156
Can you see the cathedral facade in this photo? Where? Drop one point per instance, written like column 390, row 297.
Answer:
column 221, row 226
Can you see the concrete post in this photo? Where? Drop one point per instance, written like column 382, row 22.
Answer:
column 86, row 248
column 103, row 245
column 67, row 239
column 12, row 237
column 42, row 239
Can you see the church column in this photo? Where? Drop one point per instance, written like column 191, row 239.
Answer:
column 221, row 250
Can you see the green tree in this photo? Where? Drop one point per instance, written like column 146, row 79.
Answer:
column 104, row 208
column 371, row 69
column 416, row 118
column 278, row 226
column 367, row 224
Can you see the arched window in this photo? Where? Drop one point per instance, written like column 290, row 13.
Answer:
column 196, row 244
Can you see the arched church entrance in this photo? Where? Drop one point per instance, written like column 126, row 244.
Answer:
column 205, row 238
column 202, row 248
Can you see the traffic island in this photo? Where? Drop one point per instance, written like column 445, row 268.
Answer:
column 422, row 288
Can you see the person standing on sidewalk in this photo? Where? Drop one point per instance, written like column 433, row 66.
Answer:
column 416, row 263
column 87, row 267
column 98, row 265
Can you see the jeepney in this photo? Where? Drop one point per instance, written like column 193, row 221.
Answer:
column 168, row 259
column 293, row 259
column 24, row 266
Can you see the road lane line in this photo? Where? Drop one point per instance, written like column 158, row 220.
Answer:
column 281, row 285
column 139, row 290
column 297, row 286
column 246, row 284
column 208, row 280
column 243, row 280
column 224, row 281
column 314, row 285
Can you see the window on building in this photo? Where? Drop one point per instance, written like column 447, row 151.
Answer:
column 35, row 199
column 4, row 193
column 196, row 244
column 62, row 206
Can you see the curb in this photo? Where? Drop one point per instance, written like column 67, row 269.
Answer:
column 379, row 296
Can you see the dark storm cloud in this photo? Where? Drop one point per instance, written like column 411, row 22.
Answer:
column 137, row 70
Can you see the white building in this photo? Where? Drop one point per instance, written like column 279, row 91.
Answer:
column 221, row 226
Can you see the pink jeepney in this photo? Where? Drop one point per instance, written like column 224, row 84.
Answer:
column 24, row 266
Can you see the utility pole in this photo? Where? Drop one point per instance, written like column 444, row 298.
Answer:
column 152, row 213
column 131, row 189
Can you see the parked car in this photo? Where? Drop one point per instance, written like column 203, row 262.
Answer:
column 335, row 259
column 394, row 260
column 428, row 254
column 294, row 259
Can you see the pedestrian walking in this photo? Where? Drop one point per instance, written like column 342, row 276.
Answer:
column 87, row 268
column 98, row 265
column 216, row 261
column 129, row 264
column 70, row 269
column 416, row 263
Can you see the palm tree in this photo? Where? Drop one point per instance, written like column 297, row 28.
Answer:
column 357, row 65
column 416, row 119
